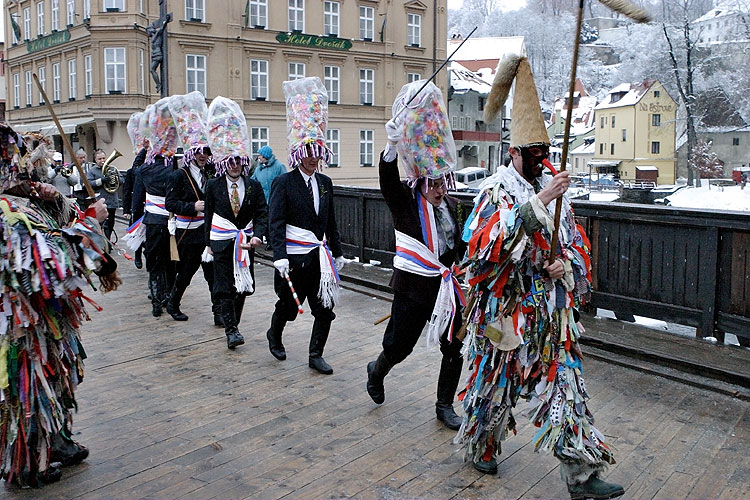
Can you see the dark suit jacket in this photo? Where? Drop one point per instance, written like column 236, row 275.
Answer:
column 403, row 206
column 182, row 194
column 290, row 203
column 253, row 208
column 128, row 183
column 150, row 178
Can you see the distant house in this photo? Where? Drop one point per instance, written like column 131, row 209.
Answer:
column 635, row 128
column 579, row 159
column 582, row 122
column 478, row 144
column 722, row 24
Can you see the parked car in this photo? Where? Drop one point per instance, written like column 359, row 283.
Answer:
column 472, row 177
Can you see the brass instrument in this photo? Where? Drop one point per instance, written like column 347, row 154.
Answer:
column 66, row 170
column 110, row 174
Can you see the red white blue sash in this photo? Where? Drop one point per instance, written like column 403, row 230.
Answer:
column 135, row 235
column 413, row 256
column 301, row 242
column 155, row 205
column 223, row 229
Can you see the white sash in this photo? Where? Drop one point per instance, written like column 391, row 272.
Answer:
column 135, row 235
column 155, row 205
column 222, row 230
column 301, row 242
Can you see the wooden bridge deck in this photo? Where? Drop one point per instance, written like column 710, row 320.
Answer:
column 168, row 412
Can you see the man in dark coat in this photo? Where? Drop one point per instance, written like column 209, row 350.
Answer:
column 127, row 197
column 236, row 219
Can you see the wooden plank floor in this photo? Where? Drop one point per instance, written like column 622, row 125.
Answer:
column 168, row 412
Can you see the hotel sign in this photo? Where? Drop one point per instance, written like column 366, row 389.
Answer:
column 47, row 41
column 318, row 42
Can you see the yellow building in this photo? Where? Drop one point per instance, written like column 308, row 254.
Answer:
column 635, row 134
column 93, row 58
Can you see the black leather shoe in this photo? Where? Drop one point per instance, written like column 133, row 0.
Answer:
column 595, row 488
column 486, row 466
column 277, row 350
column 156, row 310
column 138, row 261
column 234, row 339
column 448, row 417
column 319, row 364
column 176, row 314
column 68, row 452
column 374, row 389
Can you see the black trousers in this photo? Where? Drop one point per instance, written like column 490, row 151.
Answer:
column 408, row 319
column 190, row 261
column 156, row 249
column 306, row 282
column 109, row 224
column 223, row 264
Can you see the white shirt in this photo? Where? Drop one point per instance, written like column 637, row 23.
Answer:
column 195, row 171
column 240, row 189
column 316, row 194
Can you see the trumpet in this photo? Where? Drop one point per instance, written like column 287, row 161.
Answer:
column 66, row 171
column 110, row 174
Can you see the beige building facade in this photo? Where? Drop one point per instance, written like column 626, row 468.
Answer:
column 93, row 58
column 635, row 134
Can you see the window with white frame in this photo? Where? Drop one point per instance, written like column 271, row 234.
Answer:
column 332, row 141
column 331, row 18
column 55, row 12
column 413, row 77
column 29, row 88
column 114, row 70
column 258, row 13
column 331, row 81
column 13, row 17
column 258, row 138
column 140, row 7
column 114, row 5
column 195, row 10
column 297, row 15
column 27, row 23
column 366, row 84
column 142, row 70
column 366, row 22
column 70, row 12
column 87, row 9
column 88, row 72
column 16, row 90
column 296, row 71
column 258, row 79
column 40, row 19
column 42, row 72
column 72, row 86
column 195, row 73
column 56, row 82
column 366, row 143
column 414, row 30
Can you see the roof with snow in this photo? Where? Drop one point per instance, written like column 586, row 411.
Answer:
column 479, row 53
column 718, row 12
column 462, row 80
column 584, row 149
column 633, row 94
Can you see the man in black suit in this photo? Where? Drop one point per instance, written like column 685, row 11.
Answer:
column 236, row 219
column 127, row 198
column 415, row 295
column 149, row 193
column 302, row 225
column 185, row 199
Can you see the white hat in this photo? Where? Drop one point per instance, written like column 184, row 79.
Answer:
column 57, row 156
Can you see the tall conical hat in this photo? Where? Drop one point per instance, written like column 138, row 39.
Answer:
column 527, row 127
column 227, row 134
column 191, row 118
column 306, row 119
column 162, row 132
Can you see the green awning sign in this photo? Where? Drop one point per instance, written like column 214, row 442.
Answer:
column 320, row 42
column 48, row 41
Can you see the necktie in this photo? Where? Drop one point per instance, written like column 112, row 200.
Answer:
column 446, row 225
column 310, row 190
column 235, row 199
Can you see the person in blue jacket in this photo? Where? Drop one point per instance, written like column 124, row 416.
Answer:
column 267, row 170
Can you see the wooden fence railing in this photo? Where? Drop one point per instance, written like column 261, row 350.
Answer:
column 690, row 267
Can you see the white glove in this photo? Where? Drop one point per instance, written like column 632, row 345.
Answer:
column 393, row 132
column 282, row 266
column 339, row 262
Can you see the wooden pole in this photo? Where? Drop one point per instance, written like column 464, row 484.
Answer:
column 68, row 146
column 568, row 120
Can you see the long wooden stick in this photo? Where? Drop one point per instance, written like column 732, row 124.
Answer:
column 568, row 120
column 84, row 179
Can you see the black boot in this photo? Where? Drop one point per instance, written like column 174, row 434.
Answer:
column 216, row 310
column 318, row 339
column 66, row 451
column 234, row 338
column 376, row 372
column 450, row 374
column 138, row 261
column 154, row 285
column 595, row 488
column 274, row 337
column 239, row 305
column 173, row 304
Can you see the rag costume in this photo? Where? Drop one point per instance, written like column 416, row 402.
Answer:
column 428, row 244
column 46, row 271
column 303, row 232
column 186, row 187
column 235, row 212
column 522, row 327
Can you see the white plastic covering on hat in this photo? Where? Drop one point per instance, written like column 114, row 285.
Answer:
column 162, row 132
column 143, row 127
column 227, row 134
column 426, row 148
column 306, row 119
column 134, row 131
column 190, row 114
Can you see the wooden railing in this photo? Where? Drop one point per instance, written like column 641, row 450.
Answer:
column 690, row 267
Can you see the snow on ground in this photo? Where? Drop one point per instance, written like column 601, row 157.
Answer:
column 716, row 198
column 604, row 195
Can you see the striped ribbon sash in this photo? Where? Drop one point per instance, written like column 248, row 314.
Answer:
column 135, row 235
column 155, row 205
column 413, row 256
column 188, row 222
column 223, row 229
column 301, row 242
